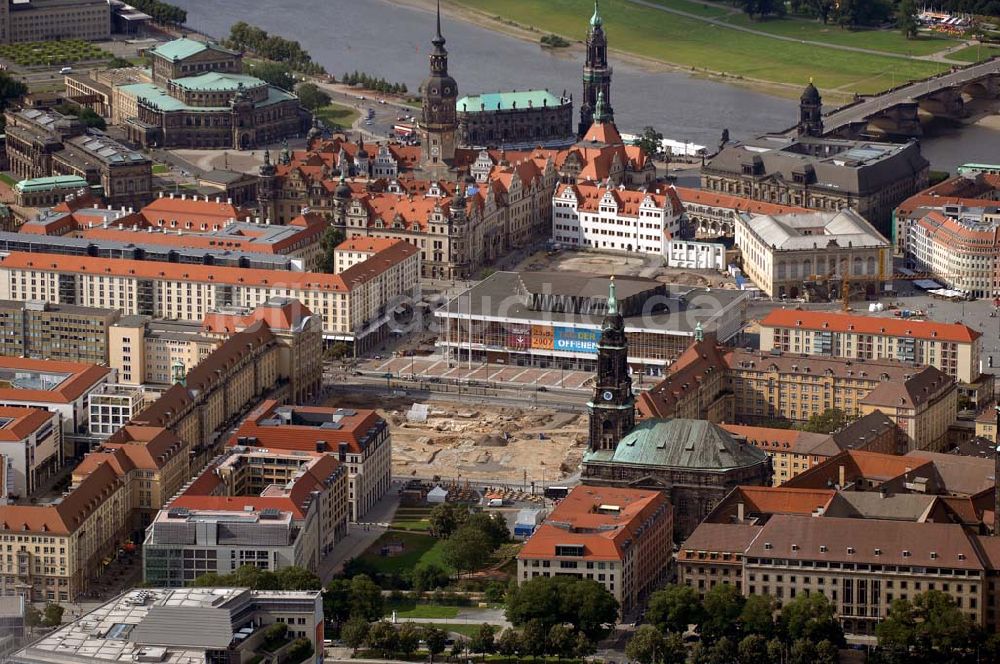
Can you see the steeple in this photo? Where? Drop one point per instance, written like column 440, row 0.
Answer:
column 612, row 298
column 438, row 121
column 438, row 40
column 810, row 111
column 600, row 111
column 596, row 20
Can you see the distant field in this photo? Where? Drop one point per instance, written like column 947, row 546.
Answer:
column 338, row 114
column 975, row 53
column 690, row 42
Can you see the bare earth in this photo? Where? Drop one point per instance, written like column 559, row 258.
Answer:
column 499, row 444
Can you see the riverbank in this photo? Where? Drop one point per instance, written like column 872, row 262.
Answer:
column 696, row 38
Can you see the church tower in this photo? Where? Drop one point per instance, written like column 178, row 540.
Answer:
column 596, row 74
column 612, row 408
column 439, row 120
column 810, row 112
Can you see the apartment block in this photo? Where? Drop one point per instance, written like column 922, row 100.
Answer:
column 619, row 537
column 146, row 351
column 359, row 439
column 251, row 506
column 356, row 305
column 954, row 348
column 112, row 406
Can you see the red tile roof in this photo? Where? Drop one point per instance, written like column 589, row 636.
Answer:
column 352, row 431
column 602, row 533
column 82, row 377
column 729, row 202
column 24, row 422
column 829, row 321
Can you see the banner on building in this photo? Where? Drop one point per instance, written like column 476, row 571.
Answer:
column 541, row 337
column 576, row 340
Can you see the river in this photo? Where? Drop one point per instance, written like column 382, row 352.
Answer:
column 392, row 41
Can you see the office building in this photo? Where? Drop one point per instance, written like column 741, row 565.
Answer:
column 176, row 625
column 251, row 506
column 46, row 20
column 30, row 449
column 619, row 537
column 63, row 332
column 63, row 388
column 112, row 407
column 359, row 439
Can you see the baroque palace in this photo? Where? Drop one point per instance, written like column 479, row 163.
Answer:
column 463, row 208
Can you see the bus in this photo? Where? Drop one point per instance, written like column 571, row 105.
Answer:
column 556, row 492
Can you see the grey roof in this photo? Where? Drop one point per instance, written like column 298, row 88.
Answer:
column 848, row 167
column 496, row 297
column 584, row 285
column 874, row 505
column 106, row 150
column 815, row 229
column 185, row 626
column 681, row 443
column 861, row 431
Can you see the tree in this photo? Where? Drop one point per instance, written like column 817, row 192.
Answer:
column 53, row 614
column 509, row 643
column 803, row 651
column 828, row 421
column 674, row 608
column 651, row 141
column 328, row 243
column 383, row 637
column 87, row 117
column 297, row 578
column 429, row 576
column 775, row 650
column 10, row 90
column 582, row 646
column 723, row 651
column 459, row 647
column 494, row 526
column 533, row 638
column 311, row 96
column 811, row 616
column 827, row 653
column 562, row 640
column 757, row 616
column 752, row 650
column 483, row 640
column 366, row 599
column 467, row 549
column 723, row 606
column 32, row 616
column 645, row 646
column 337, row 600
column 408, row 638
column 906, row 18
column 583, row 603
column 444, row 519
column 274, row 73
column 930, row 623
column 355, row 633
column 436, row 639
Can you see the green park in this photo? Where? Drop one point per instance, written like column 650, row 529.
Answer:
column 55, row 52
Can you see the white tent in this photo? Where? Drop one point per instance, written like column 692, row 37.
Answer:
column 417, row 413
column 437, row 495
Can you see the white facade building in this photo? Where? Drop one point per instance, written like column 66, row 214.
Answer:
column 696, row 255
column 112, row 406
column 589, row 216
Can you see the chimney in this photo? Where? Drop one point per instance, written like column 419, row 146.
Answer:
column 739, row 512
column 840, row 476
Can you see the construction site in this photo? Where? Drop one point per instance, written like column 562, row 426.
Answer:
column 495, row 445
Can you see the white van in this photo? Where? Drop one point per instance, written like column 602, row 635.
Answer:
column 66, row 70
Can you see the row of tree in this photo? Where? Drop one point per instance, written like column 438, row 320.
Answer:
column 246, row 37
column 369, row 82
column 162, row 12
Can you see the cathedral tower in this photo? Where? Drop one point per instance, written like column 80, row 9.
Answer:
column 810, row 112
column 612, row 408
column 596, row 74
column 439, row 121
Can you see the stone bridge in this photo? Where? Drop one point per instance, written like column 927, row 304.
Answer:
column 896, row 112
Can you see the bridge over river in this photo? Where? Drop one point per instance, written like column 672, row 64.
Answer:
column 895, row 112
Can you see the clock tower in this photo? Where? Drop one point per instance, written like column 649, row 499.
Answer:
column 439, row 120
column 612, row 408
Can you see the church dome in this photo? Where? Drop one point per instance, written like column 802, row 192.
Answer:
column 683, row 443
column 810, row 94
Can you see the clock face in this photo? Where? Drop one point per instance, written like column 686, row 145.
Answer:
column 434, row 150
column 607, row 395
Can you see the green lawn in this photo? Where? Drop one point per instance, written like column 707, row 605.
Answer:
column 975, row 53
column 890, row 41
column 692, row 43
column 8, row 180
column 54, row 52
column 412, row 518
column 160, row 168
column 338, row 114
column 410, row 609
column 418, row 548
column 467, row 630
column 695, row 7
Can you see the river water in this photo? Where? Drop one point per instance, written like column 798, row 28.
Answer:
column 392, row 41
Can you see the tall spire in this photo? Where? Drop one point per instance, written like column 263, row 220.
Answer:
column 595, row 20
column 612, row 297
column 438, row 40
